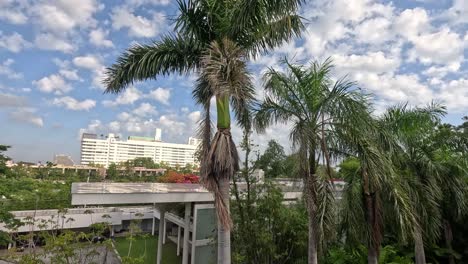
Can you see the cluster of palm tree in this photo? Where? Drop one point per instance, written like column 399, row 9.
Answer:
column 398, row 172
column 406, row 173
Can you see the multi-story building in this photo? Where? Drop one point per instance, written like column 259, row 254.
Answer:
column 110, row 149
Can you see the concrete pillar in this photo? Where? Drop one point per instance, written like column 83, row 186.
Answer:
column 112, row 231
column 185, row 249
column 178, row 240
column 164, row 231
column 160, row 242
column 152, row 227
column 10, row 245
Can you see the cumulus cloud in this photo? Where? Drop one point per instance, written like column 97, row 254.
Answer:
column 374, row 30
column 145, row 109
column 53, row 83
column 13, row 42
column 60, row 16
column 47, row 41
column 88, row 62
column 138, row 3
column 455, row 95
column 194, row 116
column 12, row 12
column 129, row 96
column 6, row 70
column 396, row 88
column 98, row 37
column 432, row 48
column 161, row 95
column 73, row 104
column 71, row 75
column 92, row 63
column 412, row 22
column 375, row 62
column 457, row 13
column 441, row 71
column 137, row 26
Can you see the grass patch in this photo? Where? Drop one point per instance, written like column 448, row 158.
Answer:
column 138, row 249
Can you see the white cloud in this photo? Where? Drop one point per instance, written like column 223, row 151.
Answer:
column 73, row 104
column 98, row 37
column 53, row 83
column 432, row 48
column 47, row 41
column 374, row 31
column 89, row 62
column 412, row 22
column 335, row 20
column 138, row 26
column 26, row 115
column 12, row 12
column 71, row 75
column 6, row 70
column 61, row 16
column 124, row 116
column 455, row 95
column 138, row 3
column 194, row 116
column 145, row 109
column 98, row 77
column 458, row 12
column 161, row 95
column 374, row 62
column 440, row 72
column 93, row 64
column 171, row 123
column 14, row 42
column 95, row 126
column 129, row 96
column 396, row 88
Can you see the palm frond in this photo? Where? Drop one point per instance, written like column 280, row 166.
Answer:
column 173, row 53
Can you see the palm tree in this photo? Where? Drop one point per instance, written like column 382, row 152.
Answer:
column 373, row 195
column 317, row 108
column 418, row 165
column 237, row 29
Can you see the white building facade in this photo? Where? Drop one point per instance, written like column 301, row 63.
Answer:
column 108, row 150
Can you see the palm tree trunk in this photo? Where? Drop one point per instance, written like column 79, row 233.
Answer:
column 448, row 240
column 222, row 163
column 373, row 245
column 312, row 247
column 372, row 255
column 420, row 256
column 224, row 234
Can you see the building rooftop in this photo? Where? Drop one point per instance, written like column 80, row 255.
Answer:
column 119, row 187
column 138, row 193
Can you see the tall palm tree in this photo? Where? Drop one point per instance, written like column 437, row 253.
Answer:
column 316, row 108
column 419, row 167
column 374, row 194
column 202, row 30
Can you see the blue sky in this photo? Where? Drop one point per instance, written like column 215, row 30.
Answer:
column 53, row 54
